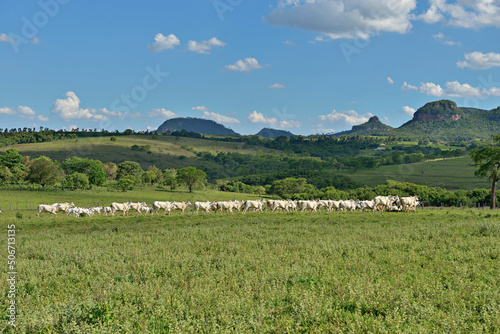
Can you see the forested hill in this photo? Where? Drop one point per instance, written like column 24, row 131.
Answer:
column 273, row 133
column 438, row 120
column 198, row 125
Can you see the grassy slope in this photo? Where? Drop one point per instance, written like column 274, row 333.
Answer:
column 450, row 173
column 433, row 271
column 165, row 151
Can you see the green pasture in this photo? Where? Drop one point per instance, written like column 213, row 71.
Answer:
column 433, row 271
column 452, row 174
column 165, row 152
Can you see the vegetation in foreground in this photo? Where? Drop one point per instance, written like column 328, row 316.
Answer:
column 431, row 271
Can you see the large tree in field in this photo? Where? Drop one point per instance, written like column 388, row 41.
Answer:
column 44, row 171
column 487, row 161
column 191, row 176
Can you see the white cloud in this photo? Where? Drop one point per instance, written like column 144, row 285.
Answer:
column 42, row 118
column 390, row 81
column 200, row 108
column 277, row 86
column 387, row 119
column 344, row 18
column 151, row 128
column 480, row 61
column 246, row 65
column 205, row 46
column 257, row 117
column 35, row 40
column 289, row 43
column 349, row 117
column 442, row 38
column 69, row 108
column 408, row 111
column 456, row 89
column 408, row 87
column 220, row 118
column 164, row 43
column 463, row 13
column 22, row 111
column 162, row 113
column 7, row 39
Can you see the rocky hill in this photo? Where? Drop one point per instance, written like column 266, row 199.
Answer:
column 198, row 125
column 372, row 127
column 273, row 133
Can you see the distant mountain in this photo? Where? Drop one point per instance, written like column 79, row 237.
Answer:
column 437, row 120
column 273, row 133
column 372, row 127
column 197, row 125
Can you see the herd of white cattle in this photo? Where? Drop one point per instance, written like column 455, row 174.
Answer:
column 379, row 203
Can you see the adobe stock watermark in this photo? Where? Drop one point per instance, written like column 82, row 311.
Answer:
column 223, row 6
column 32, row 26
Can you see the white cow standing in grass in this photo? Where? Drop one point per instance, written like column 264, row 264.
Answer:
column 166, row 206
column 137, row 206
column 119, row 207
column 181, row 206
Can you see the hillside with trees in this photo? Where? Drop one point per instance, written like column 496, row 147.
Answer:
column 197, row 125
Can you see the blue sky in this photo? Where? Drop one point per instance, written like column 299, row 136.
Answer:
column 307, row 66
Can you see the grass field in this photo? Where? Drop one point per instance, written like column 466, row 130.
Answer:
column 430, row 271
column 166, row 151
column 451, row 174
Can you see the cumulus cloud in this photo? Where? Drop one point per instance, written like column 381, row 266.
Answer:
column 246, row 65
column 456, row 89
column 408, row 87
column 408, row 111
column 257, row 117
column 480, row 61
column 349, row 117
column 220, row 118
column 205, row 46
column 344, row 18
column 162, row 113
column 463, row 14
column 6, row 39
column 164, row 43
column 69, row 108
column 390, row 81
column 22, row 111
column 200, row 108
column 277, row 86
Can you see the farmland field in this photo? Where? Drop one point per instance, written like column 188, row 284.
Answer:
column 452, row 174
column 430, row 271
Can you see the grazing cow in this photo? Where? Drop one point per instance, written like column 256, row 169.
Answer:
column 167, row 206
column 409, row 203
column 256, row 205
column 202, row 205
column 181, row 206
column 367, row 205
column 119, row 207
column 385, row 202
column 308, row 206
column 47, row 208
column 237, row 204
column 106, row 210
column 64, row 206
column 137, row 206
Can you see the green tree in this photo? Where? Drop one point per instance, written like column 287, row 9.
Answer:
column 126, row 183
column 170, row 177
column 191, row 176
column 5, row 175
column 44, row 171
column 94, row 169
column 111, row 170
column 77, row 181
column 487, row 161
column 288, row 187
column 131, row 170
column 15, row 163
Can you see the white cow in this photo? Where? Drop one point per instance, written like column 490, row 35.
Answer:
column 225, row 206
column 385, row 202
column 256, row 205
column 119, row 207
column 106, row 210
column 308, row 206
column 137, row 206
column 167, row 206
column 181, row 206
column 203, row 206
column 238, row 204
column 47, row 208
column 409, row 203
column 64, row 206
column 367, row 205
column 348, row 205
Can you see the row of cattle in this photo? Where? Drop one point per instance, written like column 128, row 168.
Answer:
column 379, row 203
